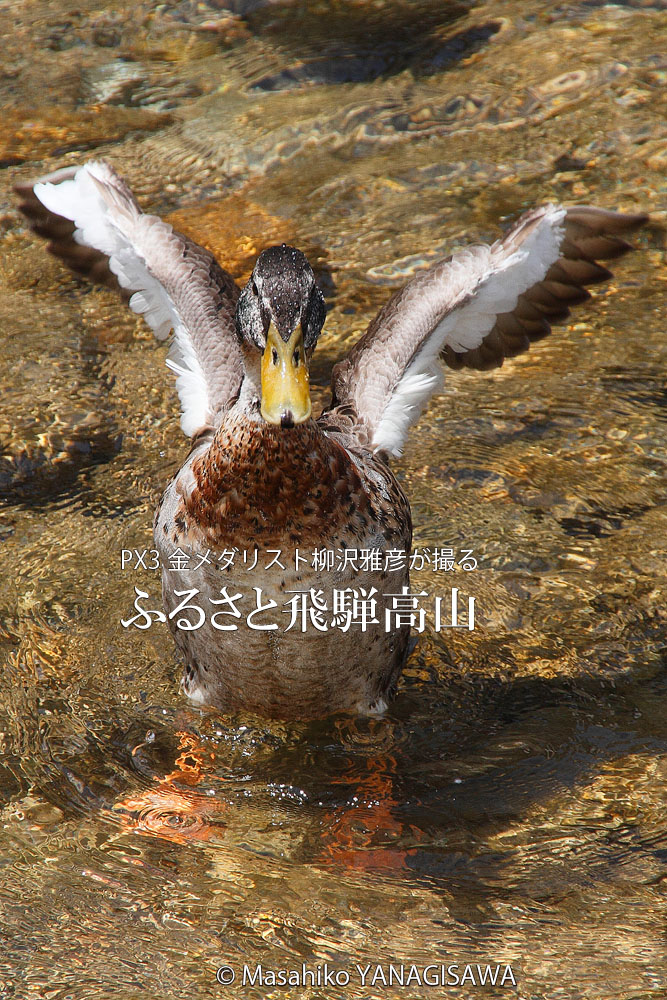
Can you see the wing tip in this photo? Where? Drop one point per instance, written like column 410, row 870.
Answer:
column 607, row 219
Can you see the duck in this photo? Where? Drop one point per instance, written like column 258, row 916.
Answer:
column 265, row 620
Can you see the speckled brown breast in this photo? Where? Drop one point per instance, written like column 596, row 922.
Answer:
column 269, row 488
column 262, row 485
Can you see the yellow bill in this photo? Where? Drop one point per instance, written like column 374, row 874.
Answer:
column 285, row 383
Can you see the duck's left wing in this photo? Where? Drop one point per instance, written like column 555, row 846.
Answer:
column 474, row 309
column 95, row 225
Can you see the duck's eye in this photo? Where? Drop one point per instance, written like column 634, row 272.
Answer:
column 296, row 358
column 274, row 356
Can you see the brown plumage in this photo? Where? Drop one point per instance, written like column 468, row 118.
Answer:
column 59, row 231
column 590, row 233
column 262, row 473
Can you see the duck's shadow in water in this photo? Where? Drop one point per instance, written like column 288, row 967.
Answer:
column 424, row 794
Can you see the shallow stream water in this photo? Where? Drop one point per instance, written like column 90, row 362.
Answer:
column 510, row 809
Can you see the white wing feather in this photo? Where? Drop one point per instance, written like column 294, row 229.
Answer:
column 482, row 283
column 108, row 219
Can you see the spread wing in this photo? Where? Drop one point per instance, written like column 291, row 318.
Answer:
column 475, row 309
column 95, row 225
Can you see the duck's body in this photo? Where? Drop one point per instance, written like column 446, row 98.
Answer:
column 278, row 497
column 264, row 479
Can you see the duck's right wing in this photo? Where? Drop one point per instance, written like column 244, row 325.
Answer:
column 473, row 310
column 95, row 225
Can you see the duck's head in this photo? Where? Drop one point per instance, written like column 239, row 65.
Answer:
column 280, row 313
